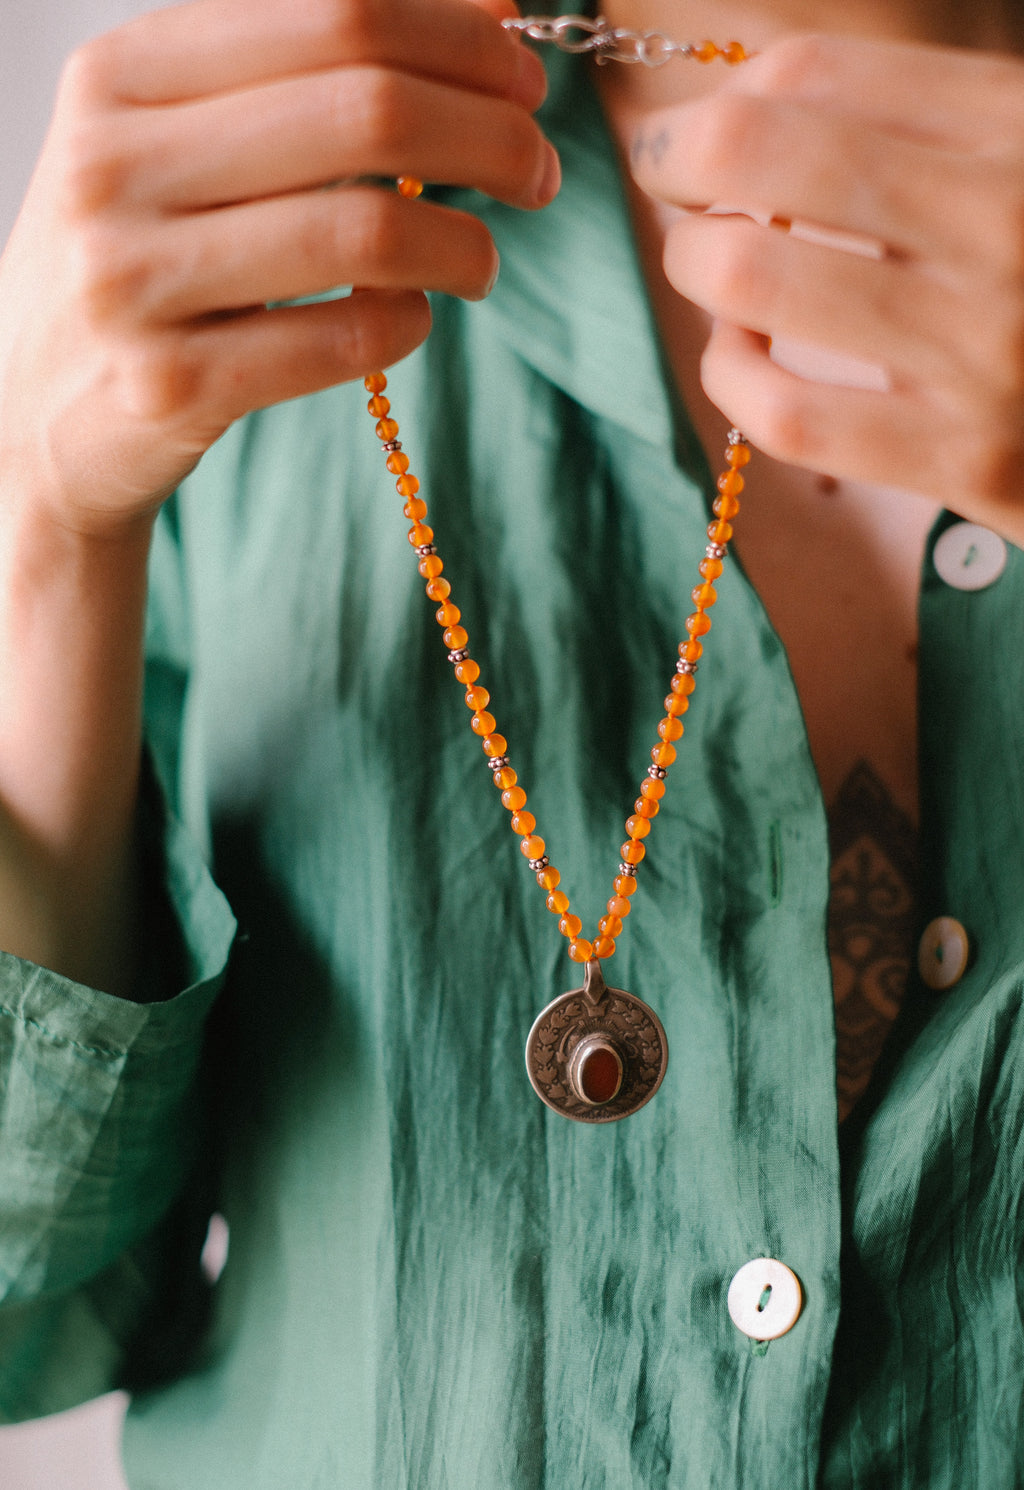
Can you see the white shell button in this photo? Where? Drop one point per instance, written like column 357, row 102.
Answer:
column 765, row 1299
column 969, row 557
column 942, row 953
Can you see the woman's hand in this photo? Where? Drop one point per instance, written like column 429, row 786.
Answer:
column 184, row 186
column 916, row 150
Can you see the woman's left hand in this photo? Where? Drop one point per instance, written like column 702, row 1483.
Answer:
column 918, row 150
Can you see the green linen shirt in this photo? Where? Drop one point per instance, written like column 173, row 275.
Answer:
column 435, row 1283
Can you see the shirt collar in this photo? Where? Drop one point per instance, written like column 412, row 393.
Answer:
column 570, row 296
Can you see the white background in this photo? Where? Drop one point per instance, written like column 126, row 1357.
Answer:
column 77, row 1451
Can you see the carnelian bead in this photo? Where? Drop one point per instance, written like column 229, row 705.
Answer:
column 725, row 506
column 581, row 951
column 386, row 429
column 467, row 671
column 548, row 878
column 734, row 52
column 379, row 406
column 604, row 946
column 663, row 755
column 683, row 684
column 407, row 486
column 730, row 483
column 699, row 624
column 523, row 823
column 438, row 589
column 558, row 902
column 409, row 186
column 737, row 455
column 505, row 778
column 570, row 926
column 706, row 51
column 513, row 799
column 477, row 698
column 420, row 534
column 653, row 789
column 533, row 847
column 397, row 462
column 691, row 651
column 632, row 851
column 669, row 728
column 710, row 568
column 375, row 382
column 415, row 509
column 625, row 885
column 704, row 596
column 720, row 532
column 483, row 723
column 430, row 565
column 637, row 826
column 455, row 638
column 645, row 807
column 618, row 905
column 610, row 925
column 447, row 614
column 495, row 745
column 676, row 703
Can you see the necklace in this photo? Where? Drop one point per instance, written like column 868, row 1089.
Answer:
column 595, row 1054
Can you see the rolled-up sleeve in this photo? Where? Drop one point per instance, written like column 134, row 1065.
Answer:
column 99, row 1124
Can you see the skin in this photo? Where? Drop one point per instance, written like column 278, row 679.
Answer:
column 181, row 190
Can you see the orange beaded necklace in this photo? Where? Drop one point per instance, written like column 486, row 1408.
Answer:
column 595, row 1054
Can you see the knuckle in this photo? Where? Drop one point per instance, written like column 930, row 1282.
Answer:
column 724, row 132
column 161, row 380
column 521, row 146
column 96, row 170
column 786, row 429
column 372, row 102
column 794, row 64
column 369, row 234
column 346, row 27
column 988, row 460
column 737, row 280
column 112, row 280
column 88, row 72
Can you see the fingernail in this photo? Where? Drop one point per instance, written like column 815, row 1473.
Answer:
column 552, row 177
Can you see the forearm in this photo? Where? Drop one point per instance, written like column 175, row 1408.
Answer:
column 71, row 628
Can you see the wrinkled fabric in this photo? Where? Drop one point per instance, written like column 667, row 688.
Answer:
column 433, row 1282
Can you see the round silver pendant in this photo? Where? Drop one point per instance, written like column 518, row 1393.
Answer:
column 596, row 1054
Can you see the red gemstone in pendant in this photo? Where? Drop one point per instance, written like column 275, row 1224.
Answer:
column 595, row 1070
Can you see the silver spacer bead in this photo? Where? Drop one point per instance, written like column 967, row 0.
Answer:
column 538, row 864
column 497, row 762
column 734, row 437
column 625, row 868
column 682, row 666
column 657, row 773
column 459, row 655
column 426, row 549
column 716, row 550
column 390, row 446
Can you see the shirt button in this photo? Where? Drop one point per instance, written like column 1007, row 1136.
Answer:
column 969, row 557
column 765, row 1299
column 942, row 953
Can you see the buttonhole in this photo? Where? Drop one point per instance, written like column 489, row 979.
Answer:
column 762, row 1302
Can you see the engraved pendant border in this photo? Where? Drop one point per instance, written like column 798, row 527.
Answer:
column 596, row 1009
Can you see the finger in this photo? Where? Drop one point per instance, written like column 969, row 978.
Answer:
column 962, row 99
column 898, row 439
column 773, row 158
column 336, row 125
column 921, row 328
column 266, row 357
column 297, row 246
column 211, row 46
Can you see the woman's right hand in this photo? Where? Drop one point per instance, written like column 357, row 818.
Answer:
column 184, row 187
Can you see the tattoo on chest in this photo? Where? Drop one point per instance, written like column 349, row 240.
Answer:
column 872, row 923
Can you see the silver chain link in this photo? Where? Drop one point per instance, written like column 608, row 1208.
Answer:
column 608, row 43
